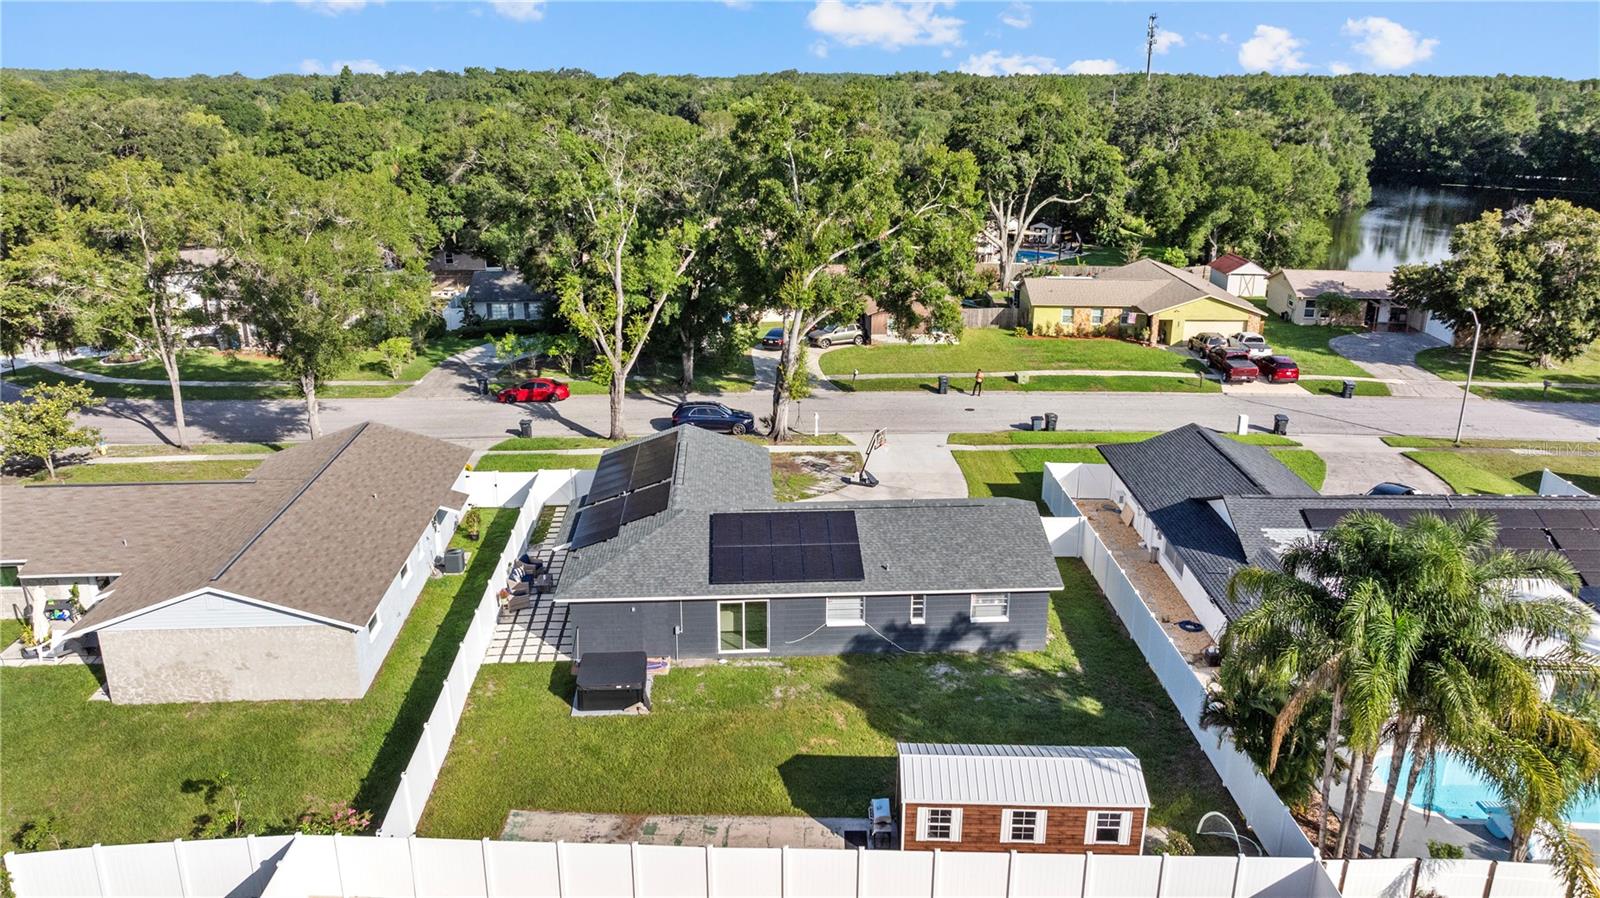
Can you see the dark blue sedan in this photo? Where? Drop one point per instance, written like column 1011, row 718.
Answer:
column 714, row 416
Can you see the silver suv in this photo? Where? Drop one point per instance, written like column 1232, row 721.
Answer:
column 829, row 334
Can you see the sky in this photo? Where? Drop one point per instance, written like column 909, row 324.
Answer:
column 748, row 36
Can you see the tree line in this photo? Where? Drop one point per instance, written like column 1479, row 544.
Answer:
column 660, row 209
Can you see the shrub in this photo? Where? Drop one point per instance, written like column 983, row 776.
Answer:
column 1174, row 257
column 396, row 353
column 472, row 522
column 1445, row 850
column 1021, row 331
column 339, row 819
column 1176, row 844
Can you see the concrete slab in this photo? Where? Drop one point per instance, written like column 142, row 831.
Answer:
column 682, row 829
column 909, row 466
column 1357, row 463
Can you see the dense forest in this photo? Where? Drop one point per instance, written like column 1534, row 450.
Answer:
column 794, row 191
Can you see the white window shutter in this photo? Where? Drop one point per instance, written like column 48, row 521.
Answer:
column 955, row 825
column 1005, row 826
column 922, row 824
column 1088, row 829
column 1127, row 829
column 1038, row 831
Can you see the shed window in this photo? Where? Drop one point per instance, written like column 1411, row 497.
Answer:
column 1022, row 826
column 938, row 824
column 992, row 607
column 1109, row 828
column 9, row 577
column 373, row 626
column 919, row 609
column 850, row 611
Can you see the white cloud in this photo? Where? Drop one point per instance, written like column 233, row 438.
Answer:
column 819, row 49
column 1224, row 38
column 1093, row 67
column 1340, row 68
column 1272, row 49
column 519, row 10
column 335, row 7
column 887, row 24
column 358, row 66
column 993, row 63
column 1166, row 40
column 738, row 4
column 1017, row 15
column 1387, row 44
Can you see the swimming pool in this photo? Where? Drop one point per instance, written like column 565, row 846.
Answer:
column 1459, row 794
column 1037, row 255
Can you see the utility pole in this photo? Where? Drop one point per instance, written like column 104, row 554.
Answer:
column 1149, row 46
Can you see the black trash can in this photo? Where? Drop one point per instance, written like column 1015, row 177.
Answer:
column 1049, row 420
column 1280, row 425
column 526, row 427
column 1349, row 390
column 1038, row 422
column 944, row 384
column 483, row 384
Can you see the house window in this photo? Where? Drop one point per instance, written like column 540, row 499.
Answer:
column 449, row 259
column 1108, row 828
column 938, row 824
column 1066, row 316
column 405, row 572
column 1022, row 826
column 9, row 576
column 500, row 310
column 850, row 611
column 993, row 607
column 919, row 609
column 530, row 311
column 1309, row 310
column 742, row 626
column 373, row 626
column 1097, row 317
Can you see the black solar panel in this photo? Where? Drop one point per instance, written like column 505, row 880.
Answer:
column 613, row 475
column 1563, row 518
column 1323, row 518
column 1511, row 518
column 1518, row 538
column 1577, row 539
column 597, row 523
column 637, row 479
column 785, row 547
column 1594, row 518
column 645, row 502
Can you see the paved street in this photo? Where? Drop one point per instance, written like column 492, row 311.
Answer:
column 148, row 421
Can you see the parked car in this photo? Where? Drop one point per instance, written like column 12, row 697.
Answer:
column 714, row 416
column 1233, row 364
column 540, row 389
column 772, row 339
column 1201, row 343
column 1253, row 343
column 1390, row 488
column 1278, row 369
column 829, row 334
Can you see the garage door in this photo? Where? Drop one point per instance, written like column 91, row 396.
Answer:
column 1190, row 328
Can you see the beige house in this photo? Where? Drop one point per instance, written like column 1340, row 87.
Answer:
column 1292, row 293
column 291, row 583
column 1173, row 303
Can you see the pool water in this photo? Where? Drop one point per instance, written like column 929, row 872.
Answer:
column 1037, row 255
column 1459, row 793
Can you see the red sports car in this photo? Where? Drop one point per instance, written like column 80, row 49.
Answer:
column 540, row 389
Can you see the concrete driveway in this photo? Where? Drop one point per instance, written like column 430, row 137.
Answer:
column 1357, row 463
column 1393, row 357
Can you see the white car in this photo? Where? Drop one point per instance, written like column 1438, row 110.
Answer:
column 1252, row 343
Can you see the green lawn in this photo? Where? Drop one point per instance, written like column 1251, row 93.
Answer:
column 1404, row 442
column 1335, row 387
column 142, row 450
column 1539, row 394
column 999, row 350
column 210, row 364
column 1510, row 365
column 144, row 472
column 10, row 630
column 1307, row 464
column 129, row 773
column 740, row 378
column 535, row 461
column 1047, row 383
column 524, row 444
column 801, row 475
column 1500, row 472
column 1017, row 473
column 1307, row 344
column 813, row 736
column 1090, row 438
column 28, row 377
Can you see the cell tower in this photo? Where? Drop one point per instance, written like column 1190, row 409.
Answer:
column 1149, row 46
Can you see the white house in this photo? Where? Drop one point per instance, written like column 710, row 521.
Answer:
column 1238, row 275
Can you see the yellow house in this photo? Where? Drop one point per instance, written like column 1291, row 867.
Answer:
column 1173, row 304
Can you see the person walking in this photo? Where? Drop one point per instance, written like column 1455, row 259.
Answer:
column 977, row 383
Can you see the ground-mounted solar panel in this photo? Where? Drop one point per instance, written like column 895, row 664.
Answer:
column 645, row 502
column 597, row 523
column 1513, row 518
column 785, row 547
column 1563, row 518
column 1577, row 539
column 1519, row 538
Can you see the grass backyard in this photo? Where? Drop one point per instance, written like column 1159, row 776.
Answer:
column 813, row 736
column 1048, row 383
column 993, row 349
column 135, row 773
column 1504, row 472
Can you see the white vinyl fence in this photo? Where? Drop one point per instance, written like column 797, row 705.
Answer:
column 417, row 780
column 219, row 867
column 1274, row 827
column 1408, row 877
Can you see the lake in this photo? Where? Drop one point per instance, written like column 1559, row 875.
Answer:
column 1410, row 225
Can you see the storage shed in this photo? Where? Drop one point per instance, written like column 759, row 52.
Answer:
column 1039, row 798
column 612, row 683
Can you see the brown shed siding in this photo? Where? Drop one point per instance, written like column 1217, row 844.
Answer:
column 1063, row 830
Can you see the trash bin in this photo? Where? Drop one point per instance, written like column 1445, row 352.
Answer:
column 944, row 384
column 526, row 427
column 1349, row 390
column 1280, row 425
column 1038, row 422
column 1049, row 420
column 483, row 384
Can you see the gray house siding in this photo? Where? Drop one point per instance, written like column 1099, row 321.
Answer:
column 797, row 626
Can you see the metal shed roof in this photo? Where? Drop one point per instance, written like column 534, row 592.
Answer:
column 1033, row 775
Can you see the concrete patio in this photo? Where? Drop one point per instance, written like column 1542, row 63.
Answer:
column 683, row 829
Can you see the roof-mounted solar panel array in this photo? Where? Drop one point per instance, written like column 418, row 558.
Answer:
column 630, row 483
column 785, row 547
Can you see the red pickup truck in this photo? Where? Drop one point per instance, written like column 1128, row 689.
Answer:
column 1234, row 364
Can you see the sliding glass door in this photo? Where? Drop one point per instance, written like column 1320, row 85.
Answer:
column 742, row 626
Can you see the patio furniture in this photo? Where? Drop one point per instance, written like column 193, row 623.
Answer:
column 515, row 603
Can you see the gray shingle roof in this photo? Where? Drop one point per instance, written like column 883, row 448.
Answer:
column 906, row 546
column 1174, row 475
column 322, row 527
column 1313, row 282
column 1024, row 775
column 499, row 285
column 1149, row 286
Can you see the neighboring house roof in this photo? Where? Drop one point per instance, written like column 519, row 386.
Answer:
column 1146, row 285
column 200, row 256
column 1313, row 282
column 499, row 285
column 320, row 528
column 1228, row 263
column 1174, row 477
column 906, row 546
column 1021, row 775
